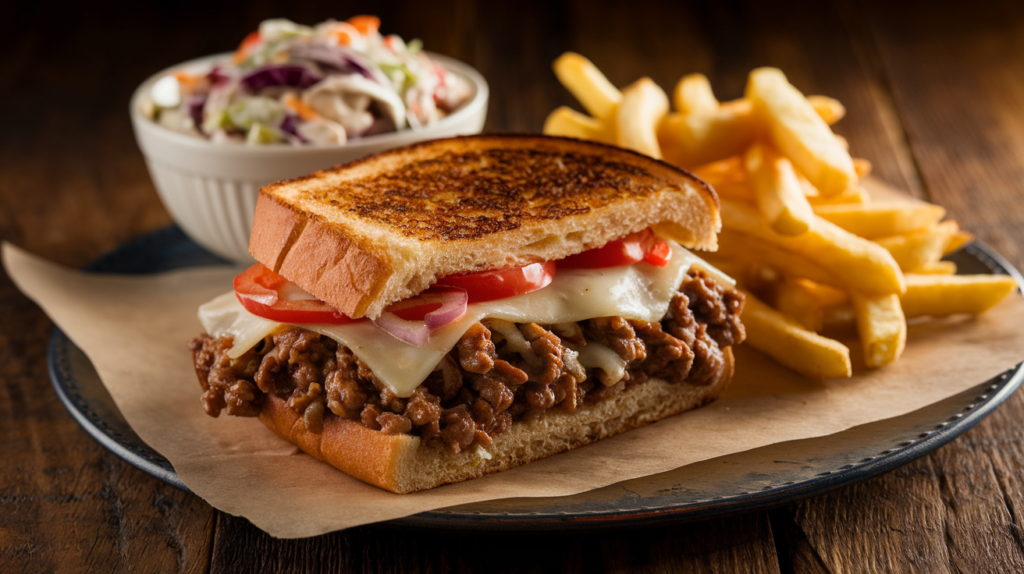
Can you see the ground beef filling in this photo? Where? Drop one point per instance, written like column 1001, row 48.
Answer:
column 498, row 372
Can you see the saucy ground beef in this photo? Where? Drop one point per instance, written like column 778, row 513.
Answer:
column 497, row 374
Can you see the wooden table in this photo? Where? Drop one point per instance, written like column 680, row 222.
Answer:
column 936, row 101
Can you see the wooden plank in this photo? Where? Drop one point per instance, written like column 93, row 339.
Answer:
column 959, row 508
column 58, row 178
column 955, row 77
column 794, row 550
column 971, row 163
column 516, row 43
column 65, row 503
column 893, row 523
column 736, row 544
column 72, row 186
column 979, row 482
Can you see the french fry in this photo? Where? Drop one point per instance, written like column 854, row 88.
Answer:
column 588, row 85
column 854, row 195
column 754, row 277
column 941, row 295
column 728, row 178
column 808, row 187
column 958, row 240
column 851, row 262
column 807, row 302
column 862, row 167
column 567, row 122
column 881, row 326
column 728, row 168
column 794, row 302
column 761, row 277
column 937, row 268
column 830, row 109
column 780, row 197
column 731, row 267
column 791, row 345
column 919, row 248
column 800, row 229
column 694, row 98
column 881, row 218
column 643, row 106
column 690, row 140
column 693, row 95
column 735, row 190
column 753, row 250
column 825, row 296
column 799, row 132
column 837, row 319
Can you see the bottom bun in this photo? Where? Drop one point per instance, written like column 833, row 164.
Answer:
column 401, row 463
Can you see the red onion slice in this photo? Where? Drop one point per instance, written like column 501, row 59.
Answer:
column 454, row 301
column 415, row 333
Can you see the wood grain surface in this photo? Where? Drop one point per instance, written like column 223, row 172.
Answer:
column 935, row 99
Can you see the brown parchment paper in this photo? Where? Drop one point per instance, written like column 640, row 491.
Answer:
column 134, row 329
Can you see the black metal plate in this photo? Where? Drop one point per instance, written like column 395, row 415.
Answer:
column 775, row 475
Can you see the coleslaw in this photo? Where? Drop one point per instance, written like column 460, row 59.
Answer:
column 293, row 84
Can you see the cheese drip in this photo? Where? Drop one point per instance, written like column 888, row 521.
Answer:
column 640, row 291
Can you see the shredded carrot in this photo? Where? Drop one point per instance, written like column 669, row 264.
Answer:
column 344, row 33
column 246, row 48
column 187, row 80
column 299, row 107
column 342, row 37
column 366, row 25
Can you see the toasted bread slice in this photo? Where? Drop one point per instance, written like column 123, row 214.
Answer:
column 402, row 463
column 363, row 235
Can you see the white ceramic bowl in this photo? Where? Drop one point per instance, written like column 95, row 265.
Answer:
column 210, row 189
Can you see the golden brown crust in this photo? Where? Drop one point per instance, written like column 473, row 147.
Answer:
column 369, row 455
column 366, row 234
column 402, row 463
column 347, row 274
column 452, row 167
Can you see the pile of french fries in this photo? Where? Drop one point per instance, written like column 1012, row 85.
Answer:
column 807, row 245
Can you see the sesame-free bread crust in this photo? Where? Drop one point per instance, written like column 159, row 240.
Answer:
column 366, row 234
column 403, row 463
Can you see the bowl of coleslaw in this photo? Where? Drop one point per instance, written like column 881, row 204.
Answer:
column 291, row 100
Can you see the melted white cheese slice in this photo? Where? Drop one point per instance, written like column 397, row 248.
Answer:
column 640, row 291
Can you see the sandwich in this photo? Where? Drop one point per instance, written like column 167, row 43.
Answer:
column 463, row 306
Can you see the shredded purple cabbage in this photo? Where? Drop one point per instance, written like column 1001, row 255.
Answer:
column 290, row 75
column 290, row 125
column 195, row 110
column 217, row 77
column 337, row 57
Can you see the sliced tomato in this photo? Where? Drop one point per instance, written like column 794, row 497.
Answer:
column 659, row 255
column 502, row 283
column 633, row 248
column 269, row 295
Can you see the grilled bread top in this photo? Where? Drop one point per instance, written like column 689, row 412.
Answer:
column 368, row 233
